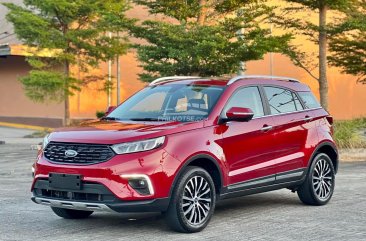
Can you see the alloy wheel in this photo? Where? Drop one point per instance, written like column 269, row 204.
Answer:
column 322, row 180
column 196, row 200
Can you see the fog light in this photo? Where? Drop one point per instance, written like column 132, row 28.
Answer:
column 137, row 184
column 140, row 182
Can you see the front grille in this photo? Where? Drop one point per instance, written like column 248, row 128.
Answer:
column 91, row 192
column 86, row 153
column 74, row 196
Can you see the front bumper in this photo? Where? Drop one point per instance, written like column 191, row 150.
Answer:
column 156, row 205
column 92, row 197
column 158, row 165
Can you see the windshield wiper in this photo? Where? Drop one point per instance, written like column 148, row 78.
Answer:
column 145, row 119
column 109, row 118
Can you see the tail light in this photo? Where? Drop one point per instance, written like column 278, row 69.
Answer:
column 330, row 121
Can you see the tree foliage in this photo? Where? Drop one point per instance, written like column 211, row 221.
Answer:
column 331, row 4
column 317, row 33
column 348, row 44
column 73, row 32
column 296, row 24
column 205, row 38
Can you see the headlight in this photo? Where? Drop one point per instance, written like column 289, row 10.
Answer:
column 131, row 147
column 45, row 141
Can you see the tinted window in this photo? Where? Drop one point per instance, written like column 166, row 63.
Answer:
column 169, row 103
column 151, row 103
column 309, row 100
column 297, row 102
column 248, row 97
column 280, row 100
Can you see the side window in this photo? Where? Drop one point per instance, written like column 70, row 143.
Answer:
column 297, row 102
column 280, row 100
column 248, row 97
column 309, row 100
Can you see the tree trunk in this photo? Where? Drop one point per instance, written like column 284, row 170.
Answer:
column 66, row 121
column 323, row 82
column 203, row 12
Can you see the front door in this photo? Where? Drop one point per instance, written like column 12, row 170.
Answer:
column 248, row 145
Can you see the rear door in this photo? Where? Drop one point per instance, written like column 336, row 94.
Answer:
column 248, row 146
column 291, row 130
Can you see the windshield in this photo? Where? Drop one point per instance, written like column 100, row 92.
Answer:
column 182, row 103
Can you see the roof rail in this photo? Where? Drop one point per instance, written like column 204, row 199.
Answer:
column 240, row 77
column 167, row 79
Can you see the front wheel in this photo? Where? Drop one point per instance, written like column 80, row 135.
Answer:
column 318, row 186
column 193, row 201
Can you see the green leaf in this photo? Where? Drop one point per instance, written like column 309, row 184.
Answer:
column 73, row 33
column 212, row 49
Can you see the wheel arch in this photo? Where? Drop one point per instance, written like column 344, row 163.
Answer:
column 328, row 148
column 206, row 162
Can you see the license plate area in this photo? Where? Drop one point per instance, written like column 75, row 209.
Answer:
column 64, row 181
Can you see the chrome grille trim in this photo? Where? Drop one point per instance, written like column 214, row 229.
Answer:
column 72, row 205
column 87, row 154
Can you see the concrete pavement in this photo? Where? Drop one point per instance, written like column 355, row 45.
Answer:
column 15, row 136
column 277, row 215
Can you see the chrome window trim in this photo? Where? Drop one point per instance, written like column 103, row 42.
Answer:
column 286, row 113
column 294, row 112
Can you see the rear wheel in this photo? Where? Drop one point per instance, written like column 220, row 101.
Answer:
column 71, row 213
column 318, row 186
column 193, row 201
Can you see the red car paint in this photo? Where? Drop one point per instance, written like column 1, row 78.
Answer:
column 242, row 151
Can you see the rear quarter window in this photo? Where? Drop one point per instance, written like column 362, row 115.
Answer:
column 309, row 100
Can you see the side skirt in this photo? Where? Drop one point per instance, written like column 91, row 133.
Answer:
column 265, row 184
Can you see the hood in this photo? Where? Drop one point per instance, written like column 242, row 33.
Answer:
column 113, row 132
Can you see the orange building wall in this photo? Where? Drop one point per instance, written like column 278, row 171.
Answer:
column 347, row 98
column 13, row 102
column 92, row 98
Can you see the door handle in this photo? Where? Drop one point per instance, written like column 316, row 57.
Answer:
column 308, row 118
column 266, row 128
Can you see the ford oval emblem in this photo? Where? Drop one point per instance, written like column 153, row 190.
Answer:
column 71, row 153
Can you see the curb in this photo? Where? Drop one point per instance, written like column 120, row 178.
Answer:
column 23, row 126
column 352, row 155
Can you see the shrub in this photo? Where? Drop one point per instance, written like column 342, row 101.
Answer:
column 350, row 133
column 100, row 114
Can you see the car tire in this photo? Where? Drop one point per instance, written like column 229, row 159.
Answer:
column 71, row 213
column 318, row 187
column 193, row 201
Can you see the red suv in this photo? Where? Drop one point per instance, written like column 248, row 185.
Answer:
column 183, row 143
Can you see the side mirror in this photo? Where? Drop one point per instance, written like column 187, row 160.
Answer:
column 239, row 114
column 110, row 109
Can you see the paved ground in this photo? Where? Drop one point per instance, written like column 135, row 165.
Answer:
column 277, row 215
column 15, row 136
